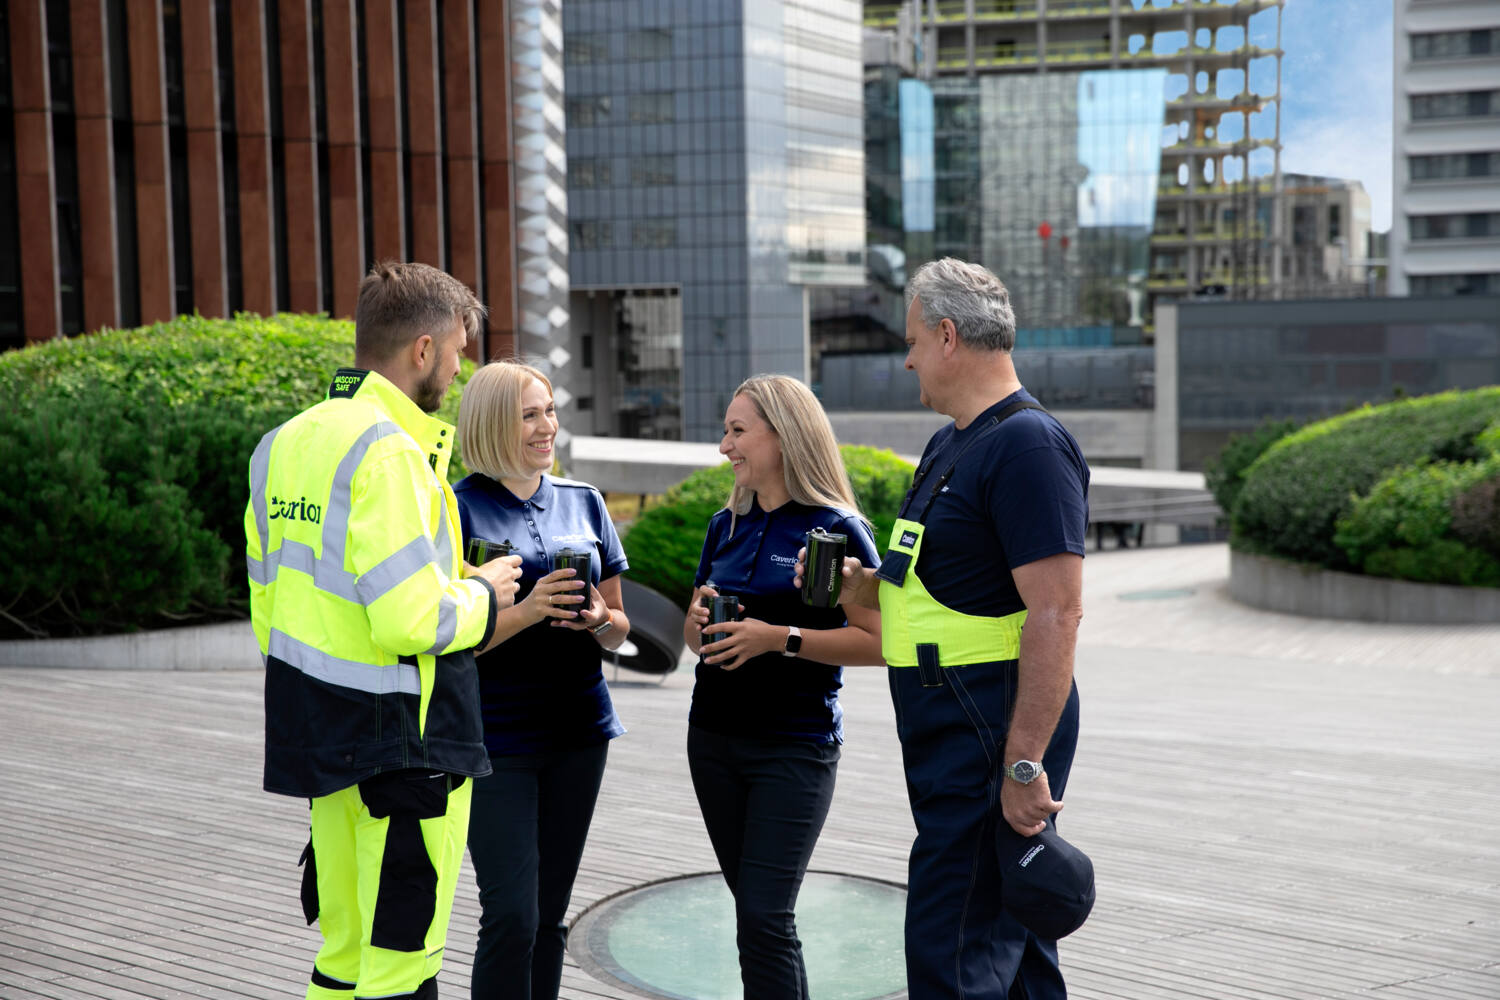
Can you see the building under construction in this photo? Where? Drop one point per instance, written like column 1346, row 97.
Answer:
column 1216, row 227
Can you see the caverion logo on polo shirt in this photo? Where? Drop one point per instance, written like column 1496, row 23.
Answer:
column 908, row 539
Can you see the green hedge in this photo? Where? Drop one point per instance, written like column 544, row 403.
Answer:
column 1224, row 474
column 664, row 543
column 126, row 455
column 1294, row 495
column 1404, row 527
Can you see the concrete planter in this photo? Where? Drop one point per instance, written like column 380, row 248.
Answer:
column 1298, row 589
column 225, row 646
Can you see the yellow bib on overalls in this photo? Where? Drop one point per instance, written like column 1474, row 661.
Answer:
column 914, row 627
column 912, row 617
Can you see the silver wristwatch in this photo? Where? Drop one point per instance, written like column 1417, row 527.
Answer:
column 602, row 627
column 1024, row 771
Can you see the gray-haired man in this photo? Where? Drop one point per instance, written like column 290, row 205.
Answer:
column 991, row 536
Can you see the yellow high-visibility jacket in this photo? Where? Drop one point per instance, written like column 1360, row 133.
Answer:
column 364, row 620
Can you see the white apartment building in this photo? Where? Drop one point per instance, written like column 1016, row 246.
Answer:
column 1445, row 233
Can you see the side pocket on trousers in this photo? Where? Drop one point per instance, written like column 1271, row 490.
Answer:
column 406, row 901
column 309, row 865
column 407, row 898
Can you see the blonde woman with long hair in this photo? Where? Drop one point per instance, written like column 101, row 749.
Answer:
column 766, row 725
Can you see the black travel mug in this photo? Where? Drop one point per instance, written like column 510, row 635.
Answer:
column 722, row 608
column 581, row 560
column 482, row 550
column 823, row 569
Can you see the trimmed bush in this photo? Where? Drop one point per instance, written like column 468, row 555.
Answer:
column 126, row 454
column 1295, row 493
column 1476, row 515
column 664, row 543
column 1403, row 528
column 1225, row 472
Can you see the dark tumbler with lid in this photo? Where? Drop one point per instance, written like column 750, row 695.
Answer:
column 823, row 569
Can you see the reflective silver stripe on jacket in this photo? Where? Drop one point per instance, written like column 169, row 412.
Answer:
column 328, row 572
column 373, row 678
column 262, row 570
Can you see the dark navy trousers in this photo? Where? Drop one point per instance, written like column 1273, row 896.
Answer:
column 764, row 802
column 527, row 829
column 959, row 943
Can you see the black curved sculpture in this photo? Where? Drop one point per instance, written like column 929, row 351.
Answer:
column 655, row 631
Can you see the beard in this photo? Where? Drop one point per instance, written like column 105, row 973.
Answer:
column 430, row 392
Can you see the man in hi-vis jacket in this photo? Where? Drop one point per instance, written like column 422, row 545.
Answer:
column 367, row 619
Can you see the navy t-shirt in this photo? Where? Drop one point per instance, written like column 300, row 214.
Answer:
column 1019, row 494
column 772, row 695
column 543, row 688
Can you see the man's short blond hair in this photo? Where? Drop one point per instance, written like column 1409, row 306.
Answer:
column 401, row 301
column 489, row 419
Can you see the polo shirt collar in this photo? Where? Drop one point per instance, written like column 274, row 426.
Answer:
column 541, row 499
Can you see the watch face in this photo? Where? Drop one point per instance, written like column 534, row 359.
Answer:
column 1024, row 771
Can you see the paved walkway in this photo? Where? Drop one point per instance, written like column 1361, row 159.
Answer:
column 1277, row 808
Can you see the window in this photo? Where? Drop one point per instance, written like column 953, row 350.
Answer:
column 588, row 172
column 584, row 48
column 646, row 171
column 654, row 233
column 1335, row 223
column 652, row 43
column 1455, row 44
column 591, row 235
column 1304, row 225
column 1455, row 226
column 1457, row 104
column 588, row 111
column 1454, row 166
column 653, row 109
column 1456, row 284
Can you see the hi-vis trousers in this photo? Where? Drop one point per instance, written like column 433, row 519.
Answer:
column 381, row 870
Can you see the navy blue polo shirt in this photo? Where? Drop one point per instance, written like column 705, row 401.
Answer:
column 772, row 695
column 1019, row 494
column 543, row 688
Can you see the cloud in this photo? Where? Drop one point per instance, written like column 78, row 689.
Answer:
column 1336, row 95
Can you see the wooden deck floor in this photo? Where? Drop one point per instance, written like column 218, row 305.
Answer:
column 1276, row 808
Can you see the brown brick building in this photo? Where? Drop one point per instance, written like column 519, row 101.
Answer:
column 164, row 156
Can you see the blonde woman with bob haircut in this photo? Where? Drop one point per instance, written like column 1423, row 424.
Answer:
column 548, row 718
column 765, row 727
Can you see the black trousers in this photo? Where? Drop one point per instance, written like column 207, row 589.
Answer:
column 764, row 802
column 527, row 828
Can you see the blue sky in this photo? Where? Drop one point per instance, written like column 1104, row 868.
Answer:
column 1336, row 94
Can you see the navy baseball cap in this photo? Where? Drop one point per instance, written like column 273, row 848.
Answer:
column 1046, row 884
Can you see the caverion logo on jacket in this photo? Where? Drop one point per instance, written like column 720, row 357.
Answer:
column 295, row 510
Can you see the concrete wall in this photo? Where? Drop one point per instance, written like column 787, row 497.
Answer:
column 1295, row 589
column 227, row 646
column 1107, row 437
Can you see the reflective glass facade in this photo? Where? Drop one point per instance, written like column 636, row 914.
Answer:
column 1050, row 180
column 1241, row 363
column 715, row 152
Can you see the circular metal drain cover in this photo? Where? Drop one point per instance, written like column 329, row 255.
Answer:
column 1158, row 595
column 675, row 939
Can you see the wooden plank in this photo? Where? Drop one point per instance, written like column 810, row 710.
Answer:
column 1238, row 808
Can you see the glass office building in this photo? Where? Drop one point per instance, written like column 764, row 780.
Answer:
column 715, row 171
column 1050, row 180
